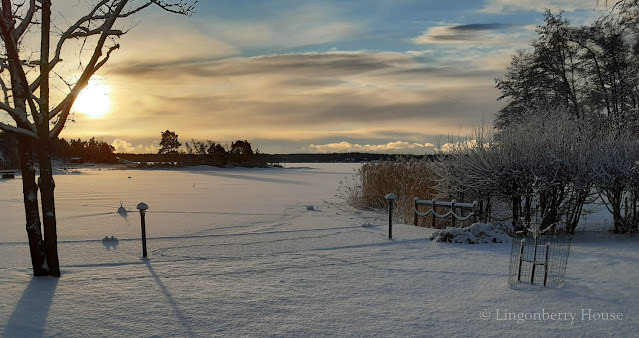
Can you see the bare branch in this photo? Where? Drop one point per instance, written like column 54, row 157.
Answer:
column 8, row 109
column 17, row 33
column 7, row 127
column 180, row 7
column 88, row 71
column 22, row 91
column 65, row 36
column 86, row 33
column 106, row 58
column 82, row 27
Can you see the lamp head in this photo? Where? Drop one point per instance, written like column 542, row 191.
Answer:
column 142, row 207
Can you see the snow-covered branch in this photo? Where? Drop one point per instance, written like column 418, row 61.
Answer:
column 20, row 88
column 7, row 127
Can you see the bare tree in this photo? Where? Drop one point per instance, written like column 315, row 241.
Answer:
column 546, row 76
column 26, row 83
column 592, row 70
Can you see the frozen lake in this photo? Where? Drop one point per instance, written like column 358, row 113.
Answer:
column 181, row 202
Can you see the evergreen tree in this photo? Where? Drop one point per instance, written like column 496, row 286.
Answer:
column 169, row 143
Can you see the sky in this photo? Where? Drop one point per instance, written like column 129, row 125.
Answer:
column 392, row 76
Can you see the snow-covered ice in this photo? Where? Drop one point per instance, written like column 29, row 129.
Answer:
column 237, row 252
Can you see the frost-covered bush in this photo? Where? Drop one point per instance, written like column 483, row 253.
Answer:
column 617, row 178
column 477, row 233
column 548, row 167
column 541, row 166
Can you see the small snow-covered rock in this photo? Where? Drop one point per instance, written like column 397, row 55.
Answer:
column 477, row 233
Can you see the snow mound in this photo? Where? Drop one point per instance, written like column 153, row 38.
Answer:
column 477, row 233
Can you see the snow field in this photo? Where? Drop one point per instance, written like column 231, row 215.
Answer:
column 235, row 252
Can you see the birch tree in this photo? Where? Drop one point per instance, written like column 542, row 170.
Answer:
column 26, row 74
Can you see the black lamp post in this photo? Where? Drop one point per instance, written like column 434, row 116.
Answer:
column 391, row 198
column 143, row 208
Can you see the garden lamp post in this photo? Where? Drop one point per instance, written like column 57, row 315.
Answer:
column 143, row 208
column 391, row 198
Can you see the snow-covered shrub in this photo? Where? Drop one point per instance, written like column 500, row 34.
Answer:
column 407, row 178
column 616, row 160
column 541, row 166
column 477, row 233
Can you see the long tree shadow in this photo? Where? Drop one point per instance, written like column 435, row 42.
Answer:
column 179, row 314
column 30, row 314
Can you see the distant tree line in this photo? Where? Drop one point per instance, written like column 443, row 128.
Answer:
column 94, row 151
column 196, row 152
column 9, row 158
column 339, row 157
column 208, row 152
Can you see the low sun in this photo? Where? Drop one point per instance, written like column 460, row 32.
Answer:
column 94, row 100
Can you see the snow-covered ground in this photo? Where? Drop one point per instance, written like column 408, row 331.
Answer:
column 237, row 252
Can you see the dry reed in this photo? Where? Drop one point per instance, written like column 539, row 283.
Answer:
column 407, row 178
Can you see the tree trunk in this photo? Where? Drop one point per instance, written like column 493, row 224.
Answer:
column 47, row 186
column 615, row 197
column 616, row 215
column 516, row 201
column 32, row 215
column 527, row 208
column 551, row 215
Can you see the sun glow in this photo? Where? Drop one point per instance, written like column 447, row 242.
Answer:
column 94, row 100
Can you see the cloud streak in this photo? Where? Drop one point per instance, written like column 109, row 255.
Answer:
column 391, row 147
column 506, row 6
column 480, row 35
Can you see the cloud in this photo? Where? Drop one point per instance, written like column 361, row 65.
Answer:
column 478, row 35
column 299, row 98
column 122, row 147
column 281, row 28
column 455, row 146
column 504, row 6
column 170, row 39
column 398, row 146
column 483, row 27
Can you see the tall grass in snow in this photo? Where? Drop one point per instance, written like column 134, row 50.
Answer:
column 407, row 178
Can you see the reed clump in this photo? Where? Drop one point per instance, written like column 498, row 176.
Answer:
column 407, row 178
